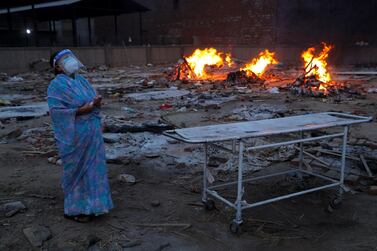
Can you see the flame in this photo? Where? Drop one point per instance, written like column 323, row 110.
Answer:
column 259, row 65
column 228, row 60
column 316, row 65
column 207, row 57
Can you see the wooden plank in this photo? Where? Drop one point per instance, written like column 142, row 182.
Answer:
column 313, row 157
column 336, row 153
column 365, row 164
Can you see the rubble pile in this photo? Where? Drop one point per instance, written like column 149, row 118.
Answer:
column 243, row 78
column 311, row 86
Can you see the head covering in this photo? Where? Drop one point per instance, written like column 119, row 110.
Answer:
column 60, row 55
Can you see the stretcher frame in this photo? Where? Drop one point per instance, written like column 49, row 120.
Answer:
column 239, row 146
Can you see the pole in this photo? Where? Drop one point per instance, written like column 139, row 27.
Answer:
column 35, row 26
column 74, row 28
column 90, row 31
column 141, row 28
column 50, row 32
column 10, row 25
column 116, row 28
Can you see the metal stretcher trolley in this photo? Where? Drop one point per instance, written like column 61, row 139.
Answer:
column 237, row 133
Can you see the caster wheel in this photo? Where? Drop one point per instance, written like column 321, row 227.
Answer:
column 209, row 205
column 336, row 203
column 235, row 228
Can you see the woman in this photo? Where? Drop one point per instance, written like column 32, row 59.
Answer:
column 74, row 109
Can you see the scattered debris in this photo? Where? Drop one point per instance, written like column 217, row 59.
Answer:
column 24, row 112
column 274, row 90
column 15, row 79
column 126, row 178
column 112, row 137
column 132, row 243
column 156, row 95
column 40, row 65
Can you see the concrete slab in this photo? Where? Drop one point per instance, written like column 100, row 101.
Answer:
column 24, row 111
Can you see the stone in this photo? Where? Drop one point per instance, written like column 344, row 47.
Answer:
column 37, row 235
column 4, row 102
column 155, row 203
column 152, row 155
column 128, row 109
column 92, row 239
column 152, row 83
column 130, row 244
column 13, row 208
column 103, row 68
column 112, row 137
column 126, row 178
column 59, row 162
column 52, row 160
column 172, row 141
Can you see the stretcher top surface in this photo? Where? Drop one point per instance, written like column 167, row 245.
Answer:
column 249, row 129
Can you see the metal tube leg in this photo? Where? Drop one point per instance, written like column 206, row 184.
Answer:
column 233, row 146
column 343, row 165
column 204, row 192
column 301, row 150
column 301, row 155
column 238, row 219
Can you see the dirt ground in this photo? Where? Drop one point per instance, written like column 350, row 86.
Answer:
column 300, row 223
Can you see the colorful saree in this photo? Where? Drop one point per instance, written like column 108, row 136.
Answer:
column 81, row 148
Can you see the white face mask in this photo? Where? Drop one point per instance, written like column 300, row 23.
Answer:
column 70, row 65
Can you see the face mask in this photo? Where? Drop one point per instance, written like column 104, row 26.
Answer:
column 70, row 65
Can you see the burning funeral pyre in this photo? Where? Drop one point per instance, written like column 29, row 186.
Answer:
column 210, row 64
column 200, row 65
column 316, row 80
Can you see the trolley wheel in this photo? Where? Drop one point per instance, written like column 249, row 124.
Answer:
column 235, row 228
column 336, row 203
column 209, row 205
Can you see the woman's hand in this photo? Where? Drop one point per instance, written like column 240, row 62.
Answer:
column 87, row 108
column 97, row 101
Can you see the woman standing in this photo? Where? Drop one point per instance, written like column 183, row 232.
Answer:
column 74, row 109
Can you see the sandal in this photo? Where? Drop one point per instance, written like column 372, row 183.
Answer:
column 81, row 218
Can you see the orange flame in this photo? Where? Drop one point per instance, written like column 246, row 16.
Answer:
column 316, row 65
column 228, row 60
column 207, row 57
column 259, row 65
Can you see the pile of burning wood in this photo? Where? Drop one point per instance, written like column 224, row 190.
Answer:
column 210, row 65
column 316, row 79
